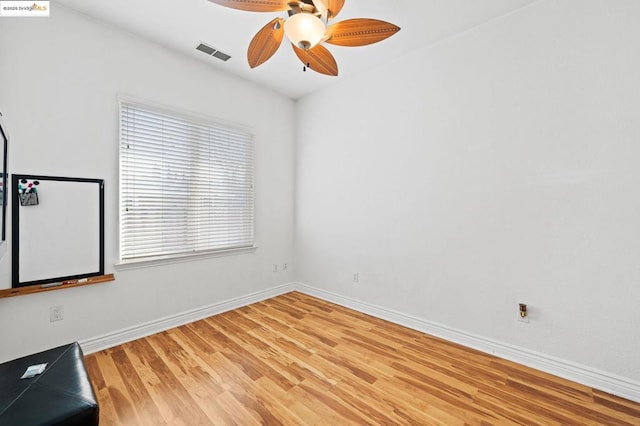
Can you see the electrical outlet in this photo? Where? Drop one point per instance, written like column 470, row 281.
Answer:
column 356, row 277
column 275, row 267
column 523, row 313
column 56, row 313
column 285, row 266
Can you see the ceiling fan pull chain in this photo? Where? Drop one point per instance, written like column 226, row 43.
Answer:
column 307, row 64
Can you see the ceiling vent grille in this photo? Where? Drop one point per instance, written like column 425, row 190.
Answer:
column 212, row 51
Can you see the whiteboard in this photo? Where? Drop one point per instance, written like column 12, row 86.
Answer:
column 60, row 235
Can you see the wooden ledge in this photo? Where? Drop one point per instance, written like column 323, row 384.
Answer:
column 39, row 288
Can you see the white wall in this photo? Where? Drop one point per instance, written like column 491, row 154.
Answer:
column 59, row 81
column 497, row 167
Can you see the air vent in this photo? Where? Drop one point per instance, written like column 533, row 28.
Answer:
column 205, row 49
column 222, row 56
column 212, row 51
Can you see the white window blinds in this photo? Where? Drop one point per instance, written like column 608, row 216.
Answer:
column 186, row 186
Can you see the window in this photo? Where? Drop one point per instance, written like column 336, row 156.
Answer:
column 186, row 184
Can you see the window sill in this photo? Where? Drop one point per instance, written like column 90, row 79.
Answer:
column 190, row 257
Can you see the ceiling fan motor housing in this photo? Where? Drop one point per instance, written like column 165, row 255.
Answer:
column 302, row 6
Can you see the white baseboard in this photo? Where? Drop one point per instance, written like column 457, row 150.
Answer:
column 142, row 330
column 596, row 379
column 610, row 383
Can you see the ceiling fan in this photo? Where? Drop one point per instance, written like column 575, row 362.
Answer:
column 307, row 26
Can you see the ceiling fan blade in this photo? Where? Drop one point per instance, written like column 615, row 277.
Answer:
column 255, row 5
column 319, row 59
column 266, row 42
column 332, row 6
column 359, row 32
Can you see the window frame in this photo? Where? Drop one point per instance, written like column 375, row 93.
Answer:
column 198, row 118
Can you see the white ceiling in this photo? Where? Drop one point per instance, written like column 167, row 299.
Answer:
column 181, row 24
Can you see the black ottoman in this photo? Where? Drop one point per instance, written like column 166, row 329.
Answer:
column 61, row 395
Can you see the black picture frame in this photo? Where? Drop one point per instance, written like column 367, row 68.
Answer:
column 4, row 192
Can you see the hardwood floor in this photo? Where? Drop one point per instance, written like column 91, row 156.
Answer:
column 297, row 360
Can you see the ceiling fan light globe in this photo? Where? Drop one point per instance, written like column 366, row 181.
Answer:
column 304, row 30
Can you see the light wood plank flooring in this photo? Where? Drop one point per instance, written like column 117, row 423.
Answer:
column 297, row 360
